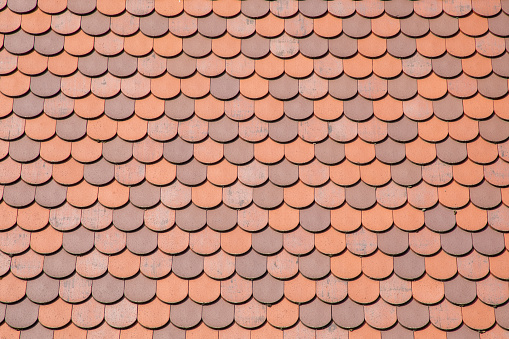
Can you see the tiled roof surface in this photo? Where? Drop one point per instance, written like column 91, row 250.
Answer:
column 254, row 169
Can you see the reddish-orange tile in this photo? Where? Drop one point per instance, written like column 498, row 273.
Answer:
column 198, row 8
column 420, row 151
column 299, row 195
column 501, row 108
column 209, row 108
column 202, row 331
column 138, row 44
column 372, row 46
column 211, row 65
column 346, row 266
column 136, row 332
column 132, row 129
column 314, row 174
column 165, row 87
column 284, row 266
column 153, row 314
column 328, row 26
column 82, row 195
column 55, row 150
column 431, row 46
column 78, row 44
column 40, row 128
column 299, row 66
column 204, row 289
column 460, row 45
column 283, row 218
column 482, row 151
column 270, row 66
column 86, row 150
column 445, row 315
column 46, row 241
column 283, row 314
column 428, row 290
column 240, row 66
column 195, row 86
column 330, row 195
column 76, row 85
column 377, row 218
column 499, row 265
column 8, row 216
column 235, row 332
column 124, row 265
column 176, row 195
column 365, row 331
column 313, row 87
column 110, row 8
column 62, row 64
column 468, row 173
column 345, row 218
column 226, row 46
column 377, row 266
column 490, row 45
column 473, row 25
column 113, row 195
column 207, row 195
column 270, row 26
column 430, row 332
column 172, row 289
column 476, row 65
column 11, row 170
column 35, row 22
column 478, row 315
column 10, row 21
column 387, row 66
column 88, row 314
column 376, row 173
column 360, row 152
column 358, row 66
column 471, row 218
column 89, row 107
column 363, row 289
column 433, row 130
column 441, row 266
column 205, row 241
column 222, row 173
column 408, row 218
column 161, row 172
column 299, row 290
column 385, row 26
column 33, row 217
column 55, row 315
column 330, row 242
column 432, row 87
column 13, row 289
column 32, row 63
column 226, row 8
column 5, row 105
column 453, row 195
column 208, row 151
column 14, row 84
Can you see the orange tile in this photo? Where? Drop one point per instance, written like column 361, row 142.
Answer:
column 283, row 218
column 149, row 108
column 13, row 289
column 153, row 314
column 441, row 266
column 430, row 332
column 55, row 315
column 432, row 87
column 422, row 195
column 235, row 331
column 299, row 151
column 328, row 26
column 236, row 242
column 240, row 66
column 358, row 66
column 202, row 331
column 269, row 66
column 89, row 107
column 462, row 86
column 476, row 65
column 445, row 315
column 78, row 44
column 209, row 108
column 377, row 218
column 14, row 84
column 433, row 130
column 86, row 150
column 207, row 195
column 32, row 63
column 285, row 266
column 11, row 171
column 478, row 107
column 92, row 265
column 46, row 241
column 427, row 290
column 222, row 174
column 464, row 129
column 138, row 44
column 377, row 265
column 490, row 45
column 62, row 64
column 499, row 265
column 345, row 218
column 76, row 85
column 298, row 66
column 372, row 46
column 453, row 195
column 493, row 333
column 70, row 331
column 299, row 289
column 314, row 174
column 482, row 151
column 460, row 45
column 387, row 66
column 226, row 46
column 136, row 332
column 473, row 25
column 204, row 242
column 299, row 195
column 430, row 46
column 363, row 289
column 35, row 22
column 283, row 314
column 172, row 289
column 52, row 7
column 164, row 87
column 195, row 86
column 208, row 151
column 478, row 315
column 270, row 26
column 110, row 7
column 5, row 105
column 10, row 21
column 55, row 150
column 113, row 195
column 420, row 151
column 501, row 108
column 346, row 266
column 159, row 218
column 365, row 331
column 124, row 265
column 33, row 217
column 385, row 26
column 132, row 129
column 473, row 266
column 360, row 152
column 375, row 173
column 176, row 195
column 103, row 128
column 226, row 8
column 328, row 108
column 161, row 172
column 204, row 289
column 8, row 216
column 82, row 195
column 330, row 242
column 105, row 86
column 468, row 173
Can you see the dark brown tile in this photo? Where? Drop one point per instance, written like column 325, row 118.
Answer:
column 224, row 87
column 22, row 314
column 314, row 265
column 358, row 108
column 444, row 25
column 122, row 65
column 95, row 23
column 456, row 242
column 348, row 314
column 218, row 314
column 255, row 46
column 128, row 218
column 330, row 152
column 268, row 290
column 360, row 196
column 251, row 265
column 45, row 85
column 485, row 195
column 298, row 108
column 494, row 129
column 142, row 241
column 28, row 106
column 267, row 195
column 393, row 242
column 451, row 151
column 51, row 194
column 78, row 241
column 460, row 291
column 186, row 314
column 145, row 195
column 284, row 173
column 343, row 46
column 357, row 26
column 267, row 242
column 439, row 218
column 42, row 289
column 119, row 107
column 19, row 194
column 107, row 289
column 315, row 218
column 154, row 24
column 413, row 315
column 99, row 173
column 19, row 42
column 448, row 108
column 238, row 152
column 117, row 150
column 409, row 266
column 60, row 264
column 488, row 241
column 187, row 265
column 140, row 289
column 71, row 128
column 401, row 46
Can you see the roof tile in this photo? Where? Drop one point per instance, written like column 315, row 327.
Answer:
column 473, row 266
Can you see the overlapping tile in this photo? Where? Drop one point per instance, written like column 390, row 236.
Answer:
column 296, row 169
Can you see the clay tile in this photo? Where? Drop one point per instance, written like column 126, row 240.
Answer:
column 95, row 23
column 179, row 108
column 145, row 195
column 92, row 265
column 437, row 173
column 500, row 65
column 440, row 219
column 314, row 265
column 42, row 289
column 487, row 288
column 481, row 151
column 490, row 45
column 473, row 266
column 267, row 195
column 21, row 315
column 393, row 242
column 424, row 241
column 492, row 86
column 417, row 66
column 348, row 314
column 178, row 151
column 161, row 129
column 14, row 240
column 238, row 152
column 413, row 315
column 331, row 289
column 267, row 242
column 11, row 172
column 283, row 130
column 402, row 130
column 329, row 152
column 493, row 129
column 218, row 314
column 298, row 25
column 401, row 46
column 255, row 46
column 19, row 42
column 390, row 151
column 488, row 242
column 122, row 65
column 447, row 66
column 402, row 87
column 284, row 173
column 358, row 108
column 28, row 106
column 478, row 315
column 343, row 46
column 444, row 25
column 498, row 24
column 117, row 150
column 59, row 265
column 361, row 242
column 99, row 173
column 93, row 65
column 19, row 194
column 78, row 241
column 409, row 266
column 109, row 44
column 51, row 194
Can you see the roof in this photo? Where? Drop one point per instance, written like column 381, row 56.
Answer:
column 226, row 169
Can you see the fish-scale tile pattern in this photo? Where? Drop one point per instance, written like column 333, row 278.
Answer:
column 254, row 169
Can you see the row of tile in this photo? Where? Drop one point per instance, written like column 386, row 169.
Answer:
column 257, row 9
column 265, row 331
